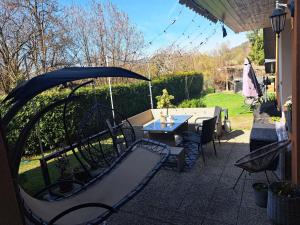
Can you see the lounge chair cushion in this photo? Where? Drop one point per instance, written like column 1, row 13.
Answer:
column 111, row 189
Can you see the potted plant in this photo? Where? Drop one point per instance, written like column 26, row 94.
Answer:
column 284, row 203
column 260, row 194
column 80, row 174
column 66, row 177
column 288, row 114
column 164, row 101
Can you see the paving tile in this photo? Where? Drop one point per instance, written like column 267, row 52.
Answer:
column 251, row 216
column 123, row 218
column 223, row 210
column 202, row 195
column 228, row 183
column 227, row 194
column 178, row 218
column 214, row 222
column 153, row 212
column 231, row 171
column 195, row 205
column 212, row 169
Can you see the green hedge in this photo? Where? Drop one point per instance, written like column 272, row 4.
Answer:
column 129, row 99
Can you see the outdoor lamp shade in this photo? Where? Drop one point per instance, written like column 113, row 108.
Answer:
column 278, row 20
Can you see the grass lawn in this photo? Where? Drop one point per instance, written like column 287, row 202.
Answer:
column 30, row 173
column 31, row 178
column 233, row 102
column 239, row 114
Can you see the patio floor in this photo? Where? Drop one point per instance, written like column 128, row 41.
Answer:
column 200, row 196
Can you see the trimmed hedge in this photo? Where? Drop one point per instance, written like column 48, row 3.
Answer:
column 129, row 99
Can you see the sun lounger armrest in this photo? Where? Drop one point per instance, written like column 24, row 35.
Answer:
column 78, row 207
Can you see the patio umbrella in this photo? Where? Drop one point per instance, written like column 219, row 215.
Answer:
column 20, row 95
column 251, row 87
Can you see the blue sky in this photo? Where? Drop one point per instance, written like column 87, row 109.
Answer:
column 153, row 17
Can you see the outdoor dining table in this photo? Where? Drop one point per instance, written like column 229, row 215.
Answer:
column 168, row 132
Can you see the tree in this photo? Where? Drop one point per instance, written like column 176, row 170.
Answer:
column 14, row 35
column 256, row 54
column 33, row 40
column 102, row 32
column 50, row 42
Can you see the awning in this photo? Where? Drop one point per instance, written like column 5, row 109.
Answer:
column 239, row 15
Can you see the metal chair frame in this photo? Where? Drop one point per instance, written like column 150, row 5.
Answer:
column 273, row 150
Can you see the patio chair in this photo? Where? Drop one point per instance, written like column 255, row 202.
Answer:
column 261, row 160
column 204, row 134
column 199, row 123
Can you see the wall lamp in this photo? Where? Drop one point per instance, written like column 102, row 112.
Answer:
column 278, row 16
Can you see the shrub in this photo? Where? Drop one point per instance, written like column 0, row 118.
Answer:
column 193, row 103
column 129, row 99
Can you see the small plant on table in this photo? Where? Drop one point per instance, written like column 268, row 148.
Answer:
column 164, row 100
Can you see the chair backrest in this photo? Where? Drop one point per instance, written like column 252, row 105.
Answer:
column 208, row 129
column 262, row 158
column 122, row 134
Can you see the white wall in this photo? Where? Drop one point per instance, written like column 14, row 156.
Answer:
column 285, row 58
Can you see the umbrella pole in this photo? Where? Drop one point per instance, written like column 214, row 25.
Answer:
column 110, row 93
column 150, row 86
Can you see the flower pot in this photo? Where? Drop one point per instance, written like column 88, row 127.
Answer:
column 260, row 194
column 80, row 175
column 66, row 184
column 283, row 209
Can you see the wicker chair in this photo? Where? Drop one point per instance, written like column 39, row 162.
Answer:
column 203, row 136
column 261, row 159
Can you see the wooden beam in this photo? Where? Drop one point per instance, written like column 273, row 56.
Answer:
column 296, row 95
column 9, row 207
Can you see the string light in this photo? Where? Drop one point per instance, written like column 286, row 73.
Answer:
column 145, row 60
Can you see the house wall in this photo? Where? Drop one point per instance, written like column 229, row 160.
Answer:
column 285, row 63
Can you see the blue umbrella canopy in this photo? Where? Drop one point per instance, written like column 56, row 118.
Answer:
column 20, row 95
column 38, row 84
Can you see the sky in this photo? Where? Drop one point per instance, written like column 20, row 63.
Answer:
column 188, row 31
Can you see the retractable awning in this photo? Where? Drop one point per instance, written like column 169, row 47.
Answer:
column 239, row 15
